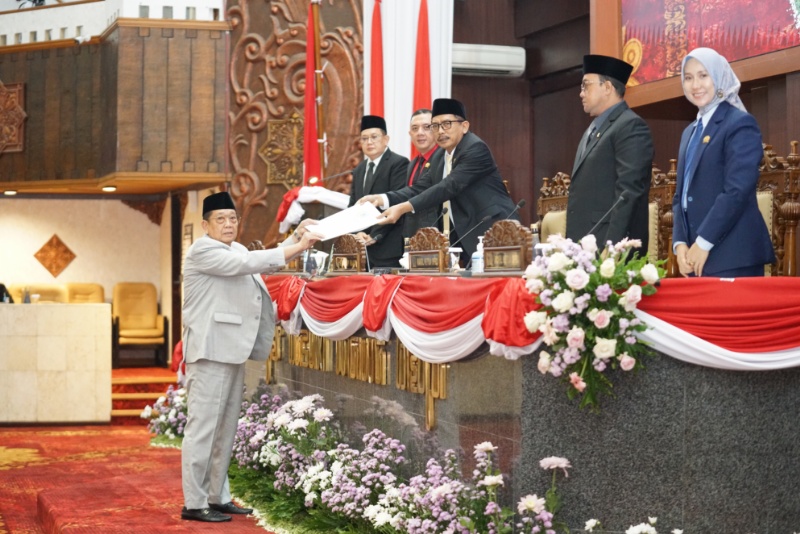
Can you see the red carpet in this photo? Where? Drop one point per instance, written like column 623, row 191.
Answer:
column 93, row 479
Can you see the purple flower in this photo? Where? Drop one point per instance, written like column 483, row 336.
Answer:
column 603, row 292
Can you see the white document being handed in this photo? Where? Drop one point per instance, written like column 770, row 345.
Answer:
column 353, row 219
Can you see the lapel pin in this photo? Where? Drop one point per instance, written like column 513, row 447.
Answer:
column 706, row 139
column 427, row 165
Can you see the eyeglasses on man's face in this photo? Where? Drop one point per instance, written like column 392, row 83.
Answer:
column 367, row 138
column 445, row 125
column 586, row 83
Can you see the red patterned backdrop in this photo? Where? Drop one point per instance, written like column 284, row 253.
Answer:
column 657, row 34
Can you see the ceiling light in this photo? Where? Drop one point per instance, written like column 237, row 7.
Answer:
column 110, row 188
column 9, row 193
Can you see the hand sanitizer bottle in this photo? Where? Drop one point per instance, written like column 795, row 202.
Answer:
column 477, row 257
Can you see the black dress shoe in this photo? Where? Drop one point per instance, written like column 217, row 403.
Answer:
column 204, row 514
column 230, row 508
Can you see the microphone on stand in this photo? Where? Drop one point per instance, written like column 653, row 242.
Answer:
column 486, row 218
column 606, row 214
column 439, row 218
column 520, row 204
column 314, row 180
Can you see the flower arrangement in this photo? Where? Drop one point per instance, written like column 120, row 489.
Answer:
column 302, row 469
column 168, row 414
column 587, row 319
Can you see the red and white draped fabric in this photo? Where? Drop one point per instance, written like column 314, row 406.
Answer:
column 401, row 20
column 743, row 324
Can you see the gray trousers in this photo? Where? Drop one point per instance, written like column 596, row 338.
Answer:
column 214, row 392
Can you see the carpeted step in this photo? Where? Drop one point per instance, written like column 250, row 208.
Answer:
column 149, row 500
column 133, row 389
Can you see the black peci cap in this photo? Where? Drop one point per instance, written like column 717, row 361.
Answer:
column 607, row 66
column 372, row 121
column 448, row 106
column 218, row 201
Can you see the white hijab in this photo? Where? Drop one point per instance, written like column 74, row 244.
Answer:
column 726, row 84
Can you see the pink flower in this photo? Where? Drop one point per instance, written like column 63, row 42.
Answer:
column 601, row 319
column 626, row 362
column 575, row 337
column 577, row 382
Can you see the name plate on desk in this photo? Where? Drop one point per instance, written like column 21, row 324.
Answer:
column 507, row 246
column 427, row 260
column 503, row 259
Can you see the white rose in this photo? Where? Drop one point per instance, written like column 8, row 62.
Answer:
column 577, row 278
column 534, row 270
column 534, row 285
column 563, row 302
column 649, row 273
column 631, row 297
column 533, row 320
column 607, row 268
column 544, row 362
column 589, row 244
column 604, row 348
column 558, row 262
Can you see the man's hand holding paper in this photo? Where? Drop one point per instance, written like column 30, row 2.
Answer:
column 353, row 219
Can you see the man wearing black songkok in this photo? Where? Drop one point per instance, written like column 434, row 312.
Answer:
column 473, row 185
column 614, row 160
column 380, row 171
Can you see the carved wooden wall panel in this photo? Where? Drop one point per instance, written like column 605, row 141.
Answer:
column 266, row 73
column 12, row 117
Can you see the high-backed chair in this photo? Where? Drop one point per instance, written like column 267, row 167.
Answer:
column 137, row 324
column 778, row 194
column 46, row 292
column 81, row 293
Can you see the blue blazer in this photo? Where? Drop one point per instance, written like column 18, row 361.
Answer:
column 721, row 201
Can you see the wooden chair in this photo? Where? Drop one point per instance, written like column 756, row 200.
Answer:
column 778, row 190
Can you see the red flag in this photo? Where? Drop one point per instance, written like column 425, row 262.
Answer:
column 422, row 66
column 376, row 63
column 311, row 163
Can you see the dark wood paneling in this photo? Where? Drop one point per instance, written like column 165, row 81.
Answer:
column 202, row 114
column 153, row 99
column 504, row 120
column 129, row 100
column 179, row 96
column 557, row 49
column 532, row 16
column 504, row 123
column 484, row 22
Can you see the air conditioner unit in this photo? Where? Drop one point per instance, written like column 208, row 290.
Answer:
column 488, row 60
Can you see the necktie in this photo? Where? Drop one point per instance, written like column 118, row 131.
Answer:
column 589, row 136
column 448, row 163
column 691, row 150
column 368, row 176
column 419, row 163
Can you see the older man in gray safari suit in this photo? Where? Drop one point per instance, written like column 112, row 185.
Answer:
column 228, row 318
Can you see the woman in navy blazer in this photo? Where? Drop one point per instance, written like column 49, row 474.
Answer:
column 718, row 230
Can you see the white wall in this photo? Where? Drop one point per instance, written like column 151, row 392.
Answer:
column 112, row 242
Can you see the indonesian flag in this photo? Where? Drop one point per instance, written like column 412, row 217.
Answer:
column 376, row 63
column 311, row 163
column 422, row 65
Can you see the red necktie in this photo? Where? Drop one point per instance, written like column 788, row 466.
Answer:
column 418, row 165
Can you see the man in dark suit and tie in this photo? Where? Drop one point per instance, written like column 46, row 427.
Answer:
column 381, row 171
column 614, row 160
column 467, row 176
